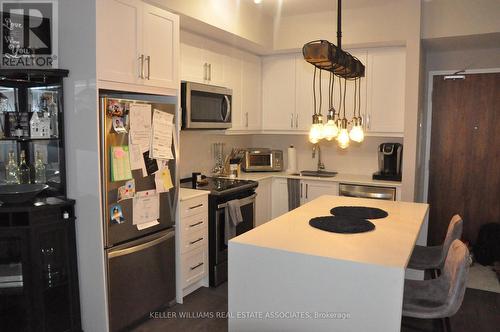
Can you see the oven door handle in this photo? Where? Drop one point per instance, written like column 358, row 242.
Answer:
column 243, row 201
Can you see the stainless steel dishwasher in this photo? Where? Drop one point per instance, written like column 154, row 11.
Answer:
column 363, row 191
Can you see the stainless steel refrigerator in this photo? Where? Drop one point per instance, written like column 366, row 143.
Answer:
column 140, row 262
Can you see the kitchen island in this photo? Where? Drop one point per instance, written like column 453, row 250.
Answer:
column 288, row 276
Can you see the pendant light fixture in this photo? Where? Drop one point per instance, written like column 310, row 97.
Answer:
column 326, row 56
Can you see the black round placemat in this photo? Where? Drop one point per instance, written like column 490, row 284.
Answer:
column 342, row 224
column 362, row 212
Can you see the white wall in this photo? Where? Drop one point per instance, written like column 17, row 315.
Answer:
column 241, row 18
column 358, row 158
column 77, row 53
column 448, row 18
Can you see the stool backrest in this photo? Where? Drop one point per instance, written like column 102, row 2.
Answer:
column 454, row 232
column 454, row 274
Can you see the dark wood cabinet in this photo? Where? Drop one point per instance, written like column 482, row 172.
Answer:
column 38, row 267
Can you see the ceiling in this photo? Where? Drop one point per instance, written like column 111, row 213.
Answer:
column 297, row 7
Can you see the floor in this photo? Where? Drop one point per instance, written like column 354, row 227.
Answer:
column 480, row 311
column 484, row 278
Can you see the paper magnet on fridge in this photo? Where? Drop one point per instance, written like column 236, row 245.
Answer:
column 116, row 214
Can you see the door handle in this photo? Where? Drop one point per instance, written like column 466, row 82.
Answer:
column 141, row 246
column 246, row 123
column 148, row 59
column 307, row 190
column 198, row 240
column 291, row 120
column 210, row 72
column 301, row 190
column 196, row 206
column 141, row 71
column 368, row 121
column 228, row 114
column 205, row 69
column 296, row 121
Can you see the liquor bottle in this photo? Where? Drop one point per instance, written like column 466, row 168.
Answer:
column 39, row 169
column 52, row 107
column 11, row 170
column 24, row 170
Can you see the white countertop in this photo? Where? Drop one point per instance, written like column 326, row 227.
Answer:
column 390, row 244
column 341, row 177
column 186, row 193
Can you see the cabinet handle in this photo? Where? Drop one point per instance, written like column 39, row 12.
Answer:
column 291, row 120
column 296, row 121
column 141, row 72
column 301, row 190
column 196, row 206
column 246, row 123
column 196, row 266
column 210, row 72
column 368, row 121
column 193, row 242
column 205, row 68
column 148, row 59
column 196, row 224
column 307, row 190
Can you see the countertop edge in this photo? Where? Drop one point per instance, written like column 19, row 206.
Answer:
column 187, row 194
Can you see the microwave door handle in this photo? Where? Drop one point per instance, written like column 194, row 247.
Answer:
column 228, row 113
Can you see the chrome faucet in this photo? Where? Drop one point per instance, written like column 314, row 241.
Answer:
column 316, row 147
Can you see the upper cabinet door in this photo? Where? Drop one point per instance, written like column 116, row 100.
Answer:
column 278, row 92
column 214, row 55
column 119, row 41
column 386, row 90
column 193, row 64
column 161, row 47
column 251, row 91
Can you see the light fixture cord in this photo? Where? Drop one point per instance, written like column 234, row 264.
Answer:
column 355, row 95
column 320, row 96
column 330, row 91
column 359, row 97
column 340, row 97
column 314, row 89
column 345, row 86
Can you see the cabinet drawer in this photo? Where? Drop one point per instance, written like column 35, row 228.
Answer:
column 194, row 206
column 194, row 266
column 193, row 240
column 194, row 223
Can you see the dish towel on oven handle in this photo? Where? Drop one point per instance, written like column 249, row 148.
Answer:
column 232, row 219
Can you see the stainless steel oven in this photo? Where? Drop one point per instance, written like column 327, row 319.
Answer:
column 205, row 106
column 218, row 247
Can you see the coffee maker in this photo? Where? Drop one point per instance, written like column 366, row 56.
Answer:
column 390, row 157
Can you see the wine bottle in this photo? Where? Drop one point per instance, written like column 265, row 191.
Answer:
column 12, row 170
column 39, row 169
column 24, row 170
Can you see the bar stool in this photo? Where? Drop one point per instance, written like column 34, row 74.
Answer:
column 439, row 298
column 432, row 257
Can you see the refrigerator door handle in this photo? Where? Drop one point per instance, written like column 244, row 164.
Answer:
column 141, row 246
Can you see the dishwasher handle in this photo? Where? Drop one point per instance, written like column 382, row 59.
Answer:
column 360, row 191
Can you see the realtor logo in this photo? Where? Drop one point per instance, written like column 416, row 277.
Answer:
column 29, row 34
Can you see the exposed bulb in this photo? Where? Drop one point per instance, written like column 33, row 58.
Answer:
column 330, row 130
column 316, row 133
column 343, row 138
column 356, row 134
column 257, row 1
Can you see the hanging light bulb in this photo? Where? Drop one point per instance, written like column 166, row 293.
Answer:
column 356, row 134
column 330, row 129
column 343, row 136
column 316, row 133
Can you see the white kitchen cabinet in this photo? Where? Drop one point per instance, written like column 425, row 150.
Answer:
column 312, row 189
column 202, row 60
column 386, row 90
column 251, row 91
column 263, row 206
column 161, row 47
column 279, row 199
column 278, row 93
column 192, row 246
column 143, row 52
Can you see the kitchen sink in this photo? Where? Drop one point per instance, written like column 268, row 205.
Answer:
column 321, row 174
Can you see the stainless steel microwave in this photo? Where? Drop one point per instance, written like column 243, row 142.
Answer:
column 205, row 106
column 263, row 160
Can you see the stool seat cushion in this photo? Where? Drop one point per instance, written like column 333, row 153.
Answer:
column 424, row 258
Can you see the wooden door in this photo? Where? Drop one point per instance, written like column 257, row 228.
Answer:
column 161, row 47
column 464, row 174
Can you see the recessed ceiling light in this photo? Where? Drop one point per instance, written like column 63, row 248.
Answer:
column 257, row 1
